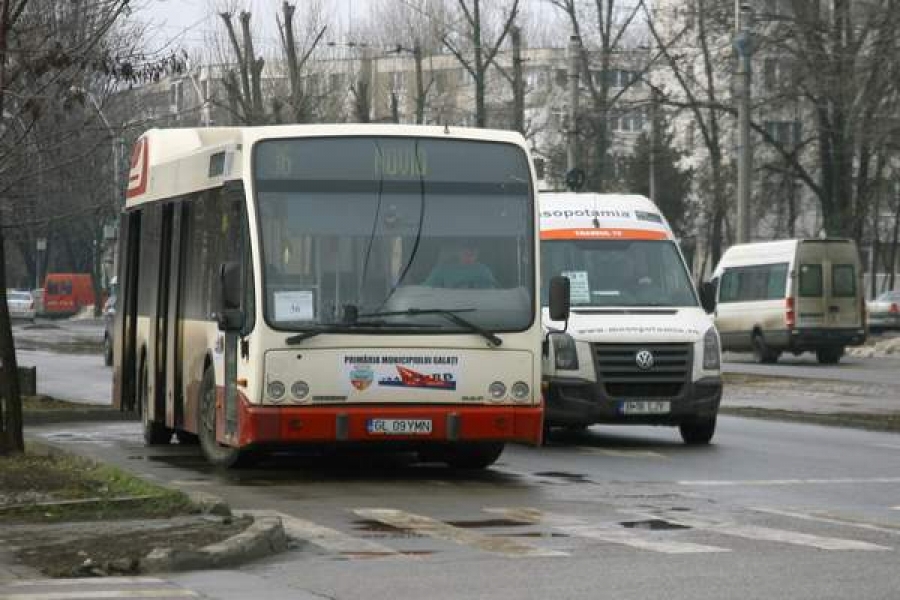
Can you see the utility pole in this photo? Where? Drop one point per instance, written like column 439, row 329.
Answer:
column 518, row 82
column 654, row 141
column 574, row 56
column 743, row 45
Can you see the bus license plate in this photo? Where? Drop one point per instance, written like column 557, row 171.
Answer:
column 399, row 426
column 644, row 407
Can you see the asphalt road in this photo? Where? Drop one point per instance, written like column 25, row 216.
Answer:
column 771, row 510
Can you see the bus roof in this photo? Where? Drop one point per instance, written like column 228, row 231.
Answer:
column 173, row 162
column 569, row 215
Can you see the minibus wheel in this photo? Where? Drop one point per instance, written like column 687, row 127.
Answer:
column 762, row 353
column 698, row 433
column 217, row 454
column 829, row 355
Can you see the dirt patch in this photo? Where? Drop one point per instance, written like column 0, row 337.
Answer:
column 56, row 487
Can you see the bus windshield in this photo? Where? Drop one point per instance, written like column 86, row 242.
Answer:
column 618, row 273
column 395, row 232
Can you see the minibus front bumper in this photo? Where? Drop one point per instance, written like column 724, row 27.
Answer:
column 580, row 402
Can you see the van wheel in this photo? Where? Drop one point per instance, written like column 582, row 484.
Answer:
column 218, row 455
column 830, row 355
column 155, row 433
column 698, row 433
column 473, row 456
column 762, row 353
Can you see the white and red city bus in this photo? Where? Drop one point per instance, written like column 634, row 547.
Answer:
column 323, row 284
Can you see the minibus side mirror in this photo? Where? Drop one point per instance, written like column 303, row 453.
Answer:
column 230, row 280
column 708, row 296
column 559, row 298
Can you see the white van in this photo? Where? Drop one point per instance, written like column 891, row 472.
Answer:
column 789, row 295
column 638, row 348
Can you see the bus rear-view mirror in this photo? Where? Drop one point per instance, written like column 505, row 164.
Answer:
column 708, row 296
column 559, row 298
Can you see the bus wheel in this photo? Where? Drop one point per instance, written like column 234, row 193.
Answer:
column 155, row 433
column 217, row 454
column 473, row 456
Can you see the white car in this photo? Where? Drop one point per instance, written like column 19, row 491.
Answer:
column 21, row 304
column 884, row 311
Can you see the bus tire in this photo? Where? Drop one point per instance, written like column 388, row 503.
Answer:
column 698, row 433
column 186, row 438
column 217, row 454
column 155, row 433
column 473, row 455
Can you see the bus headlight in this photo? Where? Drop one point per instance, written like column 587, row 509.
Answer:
column 497, row 390
column 564, row 351
column 300, row 390
column 275, row 390
column 711, row 351
column 520, row 391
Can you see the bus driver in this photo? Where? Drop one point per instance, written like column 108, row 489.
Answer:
column 461, row 270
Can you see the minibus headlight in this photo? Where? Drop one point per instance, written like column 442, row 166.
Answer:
column 711, row 351
column 275, row 390
column 564, row 351
column 497, row 390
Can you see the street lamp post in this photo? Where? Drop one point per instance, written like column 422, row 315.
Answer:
column 41, row 247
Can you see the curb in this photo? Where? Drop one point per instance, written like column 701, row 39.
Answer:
column 264, row 537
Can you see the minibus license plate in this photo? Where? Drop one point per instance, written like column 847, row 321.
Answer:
column 642, row 407
column 399, row 426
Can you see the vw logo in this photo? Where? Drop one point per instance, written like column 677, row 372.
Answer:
column 644, row 359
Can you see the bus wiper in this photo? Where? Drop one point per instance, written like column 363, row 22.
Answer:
column 450, row 315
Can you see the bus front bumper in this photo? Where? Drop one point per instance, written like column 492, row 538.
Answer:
column 329, row 424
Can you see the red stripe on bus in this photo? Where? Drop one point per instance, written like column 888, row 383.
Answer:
column 310, row 424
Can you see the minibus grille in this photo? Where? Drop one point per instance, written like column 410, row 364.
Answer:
column 619, row 372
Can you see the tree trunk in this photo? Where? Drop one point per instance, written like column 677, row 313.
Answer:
column 12, row 439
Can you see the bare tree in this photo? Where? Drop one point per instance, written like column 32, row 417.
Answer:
column 297, row 58
column 44, row 49
column 474, row 53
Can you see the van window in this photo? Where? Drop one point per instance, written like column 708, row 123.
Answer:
column 843, row 281
column 810, row 281
column 759, row 282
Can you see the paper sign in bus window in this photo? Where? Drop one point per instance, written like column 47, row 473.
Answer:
column 579, row 290
column 294, row 306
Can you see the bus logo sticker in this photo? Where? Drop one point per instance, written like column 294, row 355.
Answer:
column 361, row 377
column 431, row 371
column 407, row 378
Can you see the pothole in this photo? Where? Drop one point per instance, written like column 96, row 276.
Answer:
column 653, row 525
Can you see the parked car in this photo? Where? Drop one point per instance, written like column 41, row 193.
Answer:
column 21, row 304
column 109, row 318
column 884, row 311
column 67, row 293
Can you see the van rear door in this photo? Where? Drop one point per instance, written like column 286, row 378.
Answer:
column 844, row 304
column 827, row 285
